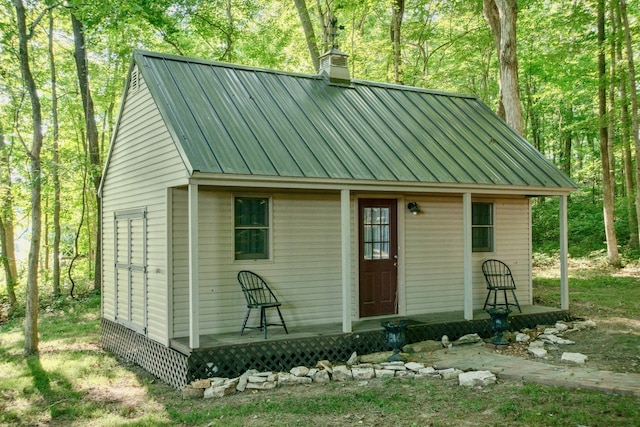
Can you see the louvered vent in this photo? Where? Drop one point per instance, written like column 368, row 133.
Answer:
column 134, row 85
column 334, row 66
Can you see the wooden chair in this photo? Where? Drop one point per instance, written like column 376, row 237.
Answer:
column 258, row 295
column 499, row 278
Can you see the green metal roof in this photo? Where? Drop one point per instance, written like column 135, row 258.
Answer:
column 230, row 119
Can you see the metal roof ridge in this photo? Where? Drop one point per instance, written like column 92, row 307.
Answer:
column 354, row 81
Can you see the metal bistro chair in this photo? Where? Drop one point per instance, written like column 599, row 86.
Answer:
column 259, row 295
column 499, row 278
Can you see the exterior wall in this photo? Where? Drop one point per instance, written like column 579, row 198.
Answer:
column 143, row 163
column 433, row 253
column 304, row 270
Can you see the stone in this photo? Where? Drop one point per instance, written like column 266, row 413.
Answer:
column 538, row 344
column 189, row 392
column 322, row 376
column 552, row 339
column 468, row 339
column 353, row 359
column 575, row 358
column 285, row 379
column 449, row 373
column 325, row 364
column 429, row 371
column 520, row 337
column 385, row 373
column 585, row 324
column 428, row 346
column 256, row 379
column 205, row 383
column 562, row 327
column 300, row 371
column 242, row 383
column 550, row 331
column 394, row 366
column 405, row 374
column 216, row 381
column 363, row 373
column 476, row 378
column 537, row 352
column 414, row 366
column 261, row 386
column 227, row 388
column 341, row 373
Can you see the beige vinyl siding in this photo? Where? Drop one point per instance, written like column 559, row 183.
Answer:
column 143, row 163
column 304, row 269
column 433, row 253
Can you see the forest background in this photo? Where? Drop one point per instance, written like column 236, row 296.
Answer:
column 63, row 66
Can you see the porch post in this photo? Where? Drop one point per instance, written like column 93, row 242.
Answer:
column 467, row 256
column 194, row 312
column 564, row 254
column 345, row 225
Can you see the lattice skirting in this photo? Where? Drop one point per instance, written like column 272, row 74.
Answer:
column 177, row 369
column 163, row 362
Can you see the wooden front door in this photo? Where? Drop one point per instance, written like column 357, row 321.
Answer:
column 378, row 255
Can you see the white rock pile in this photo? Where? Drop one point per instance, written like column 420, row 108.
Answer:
column 540, row 341
column 325, row 372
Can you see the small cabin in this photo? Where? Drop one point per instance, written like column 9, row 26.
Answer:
column 356, row 201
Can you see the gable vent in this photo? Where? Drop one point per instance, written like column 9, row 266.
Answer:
column 334, row 66
column 134, row 84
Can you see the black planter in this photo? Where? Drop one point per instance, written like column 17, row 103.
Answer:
column 396, row 337
column 499, row 324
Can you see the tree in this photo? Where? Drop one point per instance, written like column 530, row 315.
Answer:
column 607, row 184
column 7, row 250
column 309, row 34
column 31, row 308
column 95, row 165
column 396, row 39
column 501, row 16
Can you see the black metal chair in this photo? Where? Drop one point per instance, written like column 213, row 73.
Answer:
column 258, row 295
column 498, row 276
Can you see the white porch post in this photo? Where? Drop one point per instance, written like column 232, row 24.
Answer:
column 467, row 256
column 194, row 311
column 564, row 254
column 345, row 224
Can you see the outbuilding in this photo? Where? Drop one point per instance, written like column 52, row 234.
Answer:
column 355, row 200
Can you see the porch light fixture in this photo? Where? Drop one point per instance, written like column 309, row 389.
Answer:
column 414, row 208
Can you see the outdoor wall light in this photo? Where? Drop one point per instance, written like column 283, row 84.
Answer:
column 414, row 208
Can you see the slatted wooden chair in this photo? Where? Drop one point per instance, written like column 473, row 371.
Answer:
column 258, row 295
column 498, row 277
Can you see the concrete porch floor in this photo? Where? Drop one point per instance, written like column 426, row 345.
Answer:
column 276, row 333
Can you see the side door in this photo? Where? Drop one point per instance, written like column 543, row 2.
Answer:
column 378, row 257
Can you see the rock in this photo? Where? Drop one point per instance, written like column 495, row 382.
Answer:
column 468, row 339
column 363, row 373
column 449, row 373
column 385, row 373
column 562, row 327
column 405, row 374
column 322, row 376
column 575, row 358
column 476, row 378
column 325, row 364
column 225, row 389
column 189, row 392
column 585, row 324
column 206, row 383
column 414, row 366
column 300, row 371
column 522, row 337
column 552, row 339
column 285, row 378
column 445, row 341
column 341, row 373
column 261, row 386
column 550, row 331
column 538, row 344
column 353, row 359
column 537, row 352
column 256, row 379
column 216, row 381
column 423, row 347
column 242, row 383
column 429, row 370
column 394, row 366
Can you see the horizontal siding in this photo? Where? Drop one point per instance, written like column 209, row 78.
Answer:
column 143, row 163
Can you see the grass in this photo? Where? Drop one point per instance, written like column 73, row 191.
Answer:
column 73, row 382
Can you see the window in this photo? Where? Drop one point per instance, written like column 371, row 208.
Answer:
column 251, row 217
column 482, row 227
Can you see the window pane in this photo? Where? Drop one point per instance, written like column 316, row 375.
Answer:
column 482, row 239
column 252, row 244
column 251, row 211
column 481, row 214
column 368, row 251
column 384, row 216
column 251, row 227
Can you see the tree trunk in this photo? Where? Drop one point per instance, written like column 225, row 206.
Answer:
column 7, row 250
column 31, row 309
column 507, row 13
column 54, row 166
column 309, row 34
column 80, row 55
column 492, row 16
column 396, row 26
column 633, row 93
column 626, row 140
column 607, row 185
